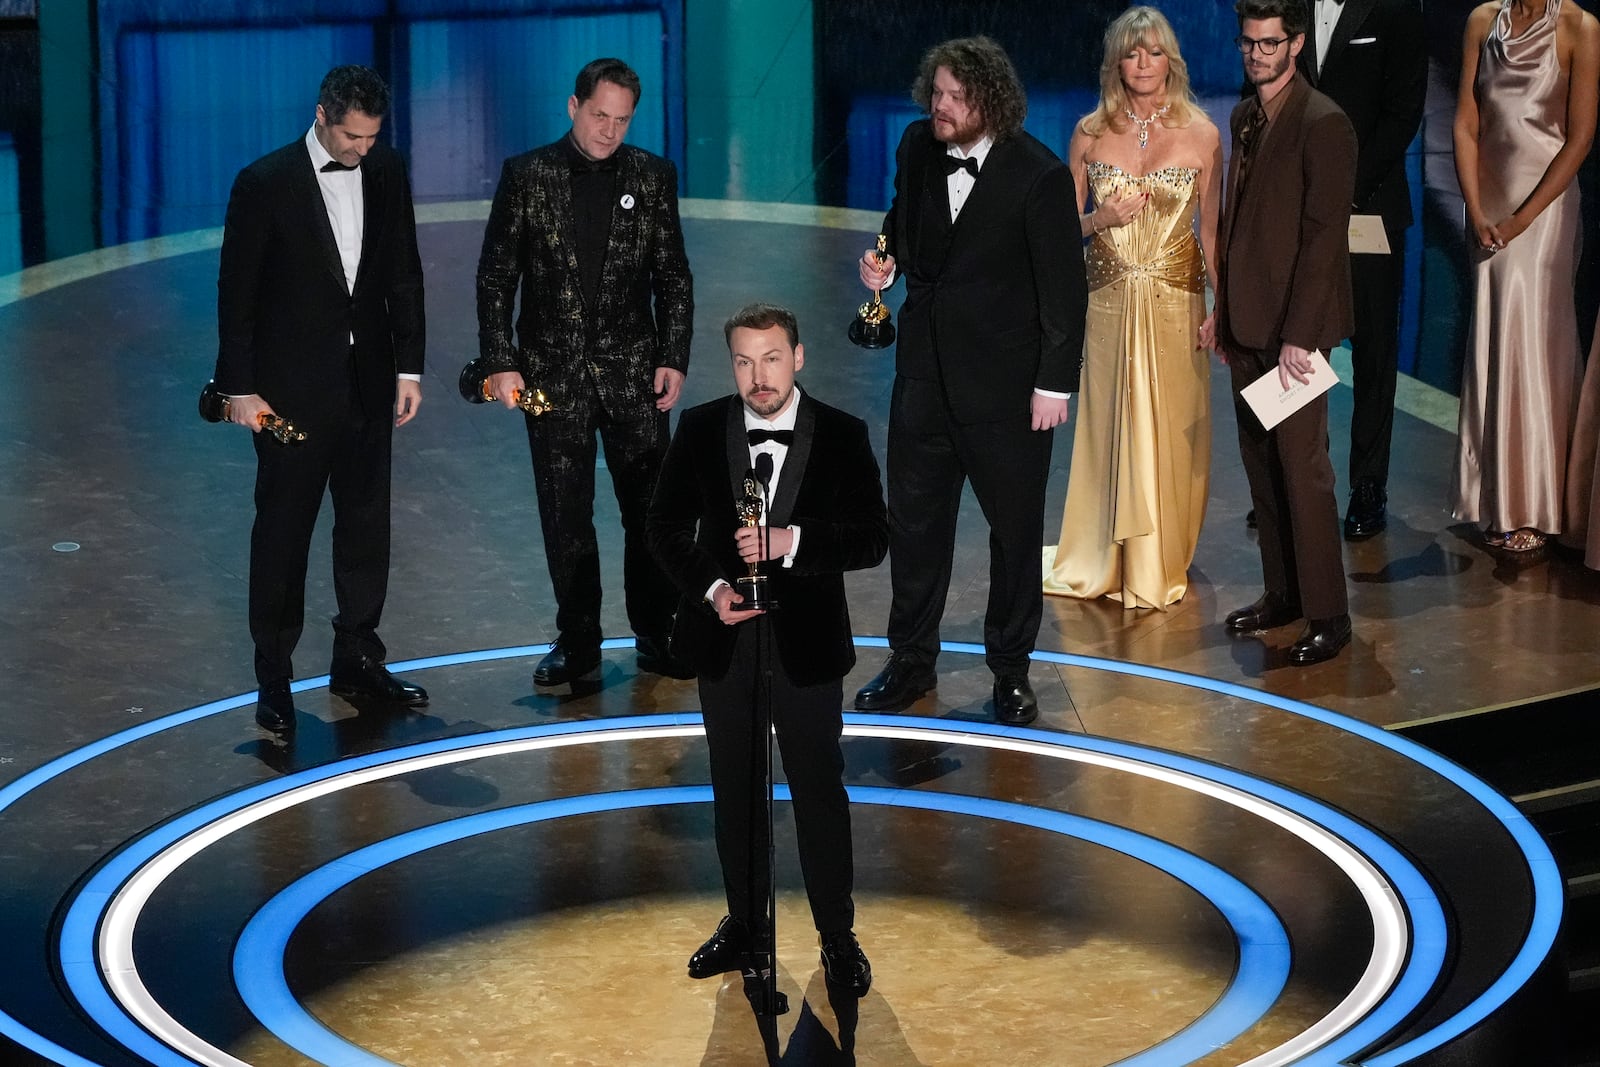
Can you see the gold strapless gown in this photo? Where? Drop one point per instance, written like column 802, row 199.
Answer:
column 1141, row 454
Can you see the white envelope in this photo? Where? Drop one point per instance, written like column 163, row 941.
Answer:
column 1272, row 403
column 1367, row 235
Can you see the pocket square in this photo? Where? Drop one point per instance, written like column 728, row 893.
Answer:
column 1363, row 40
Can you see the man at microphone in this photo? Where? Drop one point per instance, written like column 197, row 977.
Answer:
column 823, row 515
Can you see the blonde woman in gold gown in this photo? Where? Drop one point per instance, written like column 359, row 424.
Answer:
column 1525, row 118
column 1148, row 166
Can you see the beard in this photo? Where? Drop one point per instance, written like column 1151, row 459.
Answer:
column 766, row 403
column 1270, row 68
column 960, row 133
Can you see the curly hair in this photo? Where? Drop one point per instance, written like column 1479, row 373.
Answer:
column 1139, row 27
column 1296, row 19
column 985, row 72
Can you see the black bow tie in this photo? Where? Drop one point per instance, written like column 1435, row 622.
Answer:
column 782, row 437
column 582, row 164
column 334, row 164
column 954, row 163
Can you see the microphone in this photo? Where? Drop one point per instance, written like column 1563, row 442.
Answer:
column 763, row 469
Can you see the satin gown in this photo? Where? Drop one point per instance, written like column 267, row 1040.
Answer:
column 1521, row 374
column 1141, row 453
column 1582, row 529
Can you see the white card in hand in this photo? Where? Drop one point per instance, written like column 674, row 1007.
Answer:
column 1272, row 403
column 1367, row 235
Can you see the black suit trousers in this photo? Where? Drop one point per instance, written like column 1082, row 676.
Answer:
column 1291, row 489
column 348, row 459
column 1377, row 283
column 808, row 722
column 562, row 444
column 931, row 456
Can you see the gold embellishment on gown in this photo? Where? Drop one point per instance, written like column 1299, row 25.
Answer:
column 1141, row 452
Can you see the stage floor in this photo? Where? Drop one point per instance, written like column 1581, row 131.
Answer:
column 1199, row 854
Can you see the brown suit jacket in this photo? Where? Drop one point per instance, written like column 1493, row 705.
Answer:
column 1283, row 263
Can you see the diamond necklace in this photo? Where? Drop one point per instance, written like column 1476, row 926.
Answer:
column 1145, row 124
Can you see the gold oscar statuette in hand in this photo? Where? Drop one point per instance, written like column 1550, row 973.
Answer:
column 753, row 587
column 474, row 387
column 871, row 327
column 214, row 407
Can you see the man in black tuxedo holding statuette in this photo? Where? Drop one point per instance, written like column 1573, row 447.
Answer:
column 823, row 515
column 320, row 320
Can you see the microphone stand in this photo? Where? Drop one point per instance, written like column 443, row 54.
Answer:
column 761, row 987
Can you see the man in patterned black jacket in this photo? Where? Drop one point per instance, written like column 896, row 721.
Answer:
column 589, row 228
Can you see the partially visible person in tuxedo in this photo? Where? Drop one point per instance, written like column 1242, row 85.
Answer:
column 1150, row 163
column 1283, row 270
column 989, row 352
column 588, row 228
column 1525, row 120
column 1370, row 57
column 320, row 320
column 825, row 516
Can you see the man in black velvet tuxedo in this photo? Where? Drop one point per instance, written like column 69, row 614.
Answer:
column 589, row 227
column 319, row 311
column 990, row 349
column 826, row 517
column 1370, row 58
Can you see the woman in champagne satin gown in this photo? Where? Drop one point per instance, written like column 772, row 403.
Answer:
column 1525, row 118
column 1150, row 163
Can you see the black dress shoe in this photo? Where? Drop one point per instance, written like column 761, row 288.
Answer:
column 726, row 950
column 901, row 681
column 1322, row 640
column 366, row 679
column 1014, row 703
column 1268, row 611
column 845, row 964
column 655, row 656
column 566, row 663
column 1367, row 514
column 275, row 708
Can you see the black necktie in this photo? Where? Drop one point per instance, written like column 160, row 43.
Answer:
column 334, row 164
column 953, row 164
column 782, row 437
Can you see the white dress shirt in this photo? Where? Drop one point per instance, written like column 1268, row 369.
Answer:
column 783, row 420
column 1327, row 16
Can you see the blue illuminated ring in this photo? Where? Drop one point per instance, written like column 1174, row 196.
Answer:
column 1263, row 944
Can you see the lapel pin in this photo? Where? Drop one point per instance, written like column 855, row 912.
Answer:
column 627, row 201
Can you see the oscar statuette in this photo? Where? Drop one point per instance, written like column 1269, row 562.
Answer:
column 871, row 327
column 753, row 588
column 474, row 386
column 214, row 407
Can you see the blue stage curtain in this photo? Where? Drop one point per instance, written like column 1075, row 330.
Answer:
column 485, row 89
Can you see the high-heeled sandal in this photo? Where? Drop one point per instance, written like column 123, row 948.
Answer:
column 1524, row 540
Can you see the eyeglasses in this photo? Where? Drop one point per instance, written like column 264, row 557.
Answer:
column 1266, row 46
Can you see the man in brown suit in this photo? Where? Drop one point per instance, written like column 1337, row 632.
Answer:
column 1283, row 292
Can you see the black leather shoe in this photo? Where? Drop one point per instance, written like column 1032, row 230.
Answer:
column 1014, row 703
column 367, row 679
column 726, row 950
column 655, row 656
column 565, row 663
column 1367, row 514
column 1322, row 640
column 1268, row 611
column 275, row 708
column 901, row 681
column 845, row 964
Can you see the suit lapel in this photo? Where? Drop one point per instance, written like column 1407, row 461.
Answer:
column 738, row 447
column 309, row 192
column 1350, row 19
column 557, row 180
column 622, row 236
column 372, row 215
column 794, row 463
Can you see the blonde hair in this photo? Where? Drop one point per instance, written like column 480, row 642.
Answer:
column 1137, row 27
